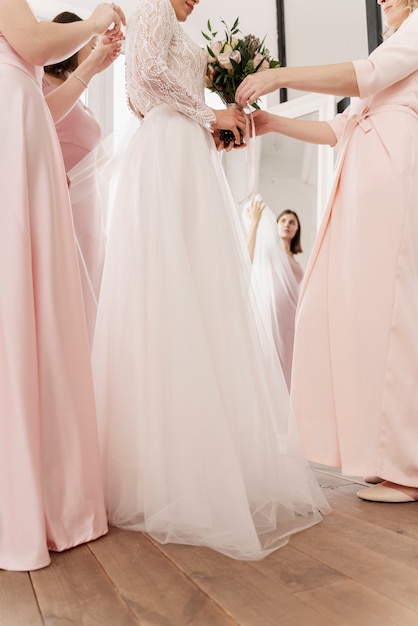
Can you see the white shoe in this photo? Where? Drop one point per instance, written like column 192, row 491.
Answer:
column 389, row 492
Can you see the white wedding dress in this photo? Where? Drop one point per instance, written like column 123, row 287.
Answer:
column 198, row 443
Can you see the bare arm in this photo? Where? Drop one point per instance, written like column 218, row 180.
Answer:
column 43, row 43
column 312, row 131
column 338, row 79
column 255, row 211
column 63, row 98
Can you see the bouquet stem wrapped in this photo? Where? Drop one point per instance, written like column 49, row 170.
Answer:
column 230, row 60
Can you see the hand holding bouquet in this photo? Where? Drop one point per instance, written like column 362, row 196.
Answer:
column 230, row 60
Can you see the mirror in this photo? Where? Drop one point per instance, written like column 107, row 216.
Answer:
column 289, row 174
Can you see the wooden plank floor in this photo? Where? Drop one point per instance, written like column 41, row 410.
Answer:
column 358, row 567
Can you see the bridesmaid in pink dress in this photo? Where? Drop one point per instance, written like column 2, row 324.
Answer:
column 272, row 245
column 80, row 135
column 355, row 371
column 50, row 486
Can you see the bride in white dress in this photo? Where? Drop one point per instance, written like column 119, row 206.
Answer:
column 198, row 442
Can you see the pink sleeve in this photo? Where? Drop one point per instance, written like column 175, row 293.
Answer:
column 395, row 59
column 338, row 123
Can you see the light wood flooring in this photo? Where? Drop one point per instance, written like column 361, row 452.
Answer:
column 358, row 567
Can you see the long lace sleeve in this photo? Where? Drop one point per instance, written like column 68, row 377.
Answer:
column 163, row 65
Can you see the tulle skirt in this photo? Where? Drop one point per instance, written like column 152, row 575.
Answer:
column 198, row 441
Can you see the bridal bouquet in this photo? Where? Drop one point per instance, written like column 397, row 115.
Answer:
column 230, row 60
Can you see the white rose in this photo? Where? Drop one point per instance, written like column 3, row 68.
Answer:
column 216, row 47
column 235, row 56
column 257, row 60
column 225, row 59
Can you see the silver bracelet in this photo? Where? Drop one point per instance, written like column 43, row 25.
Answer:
column 80, row 79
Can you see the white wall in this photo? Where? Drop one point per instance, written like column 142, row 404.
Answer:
column 323, row 31
column 252, row 19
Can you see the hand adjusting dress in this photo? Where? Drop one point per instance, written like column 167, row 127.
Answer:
column 198, row 442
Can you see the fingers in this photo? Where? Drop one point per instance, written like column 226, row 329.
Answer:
column 236, row 135
column 257, row 204
column 240, row 95
column 120, row 13
column 234, row 121
column 113, row 38
column 107, row 48
column 246, row 93
column 118, row 19
column 240, row 129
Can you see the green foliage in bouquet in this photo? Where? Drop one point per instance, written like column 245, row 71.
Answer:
column 232, row 58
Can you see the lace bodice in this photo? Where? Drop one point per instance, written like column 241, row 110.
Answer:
column 163, row 65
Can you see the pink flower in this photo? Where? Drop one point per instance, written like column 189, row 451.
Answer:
column 236, row 56
column 216, row 47
column 257, row 59
column 225, row 59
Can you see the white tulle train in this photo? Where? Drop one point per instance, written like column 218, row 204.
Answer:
column 198, row 442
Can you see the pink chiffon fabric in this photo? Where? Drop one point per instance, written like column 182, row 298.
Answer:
column 354, row 381
column 50, row 485
column 80, row 134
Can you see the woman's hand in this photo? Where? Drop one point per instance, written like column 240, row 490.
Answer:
column 62, row 99
column 262, row 122
column 232, row 119
column 254, row 212
column 107, row 15
column 256, row 85
column 256, row 208
column 220, row 145
column 105, row 52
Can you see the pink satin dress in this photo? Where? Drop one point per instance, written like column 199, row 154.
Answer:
column 50, row 485
column 355, row 365
column 79, row 134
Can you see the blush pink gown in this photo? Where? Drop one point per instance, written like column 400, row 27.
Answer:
column 50, row 486
column 79, row 134
column 354, row 380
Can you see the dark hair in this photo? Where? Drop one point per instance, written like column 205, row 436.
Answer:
column 62, row 68
column 295, row 244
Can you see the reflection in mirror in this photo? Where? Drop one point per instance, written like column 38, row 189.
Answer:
column 289, row 174
column 296, row 175
column 287, row 179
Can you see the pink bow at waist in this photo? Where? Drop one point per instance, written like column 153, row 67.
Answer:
column 362, row 119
